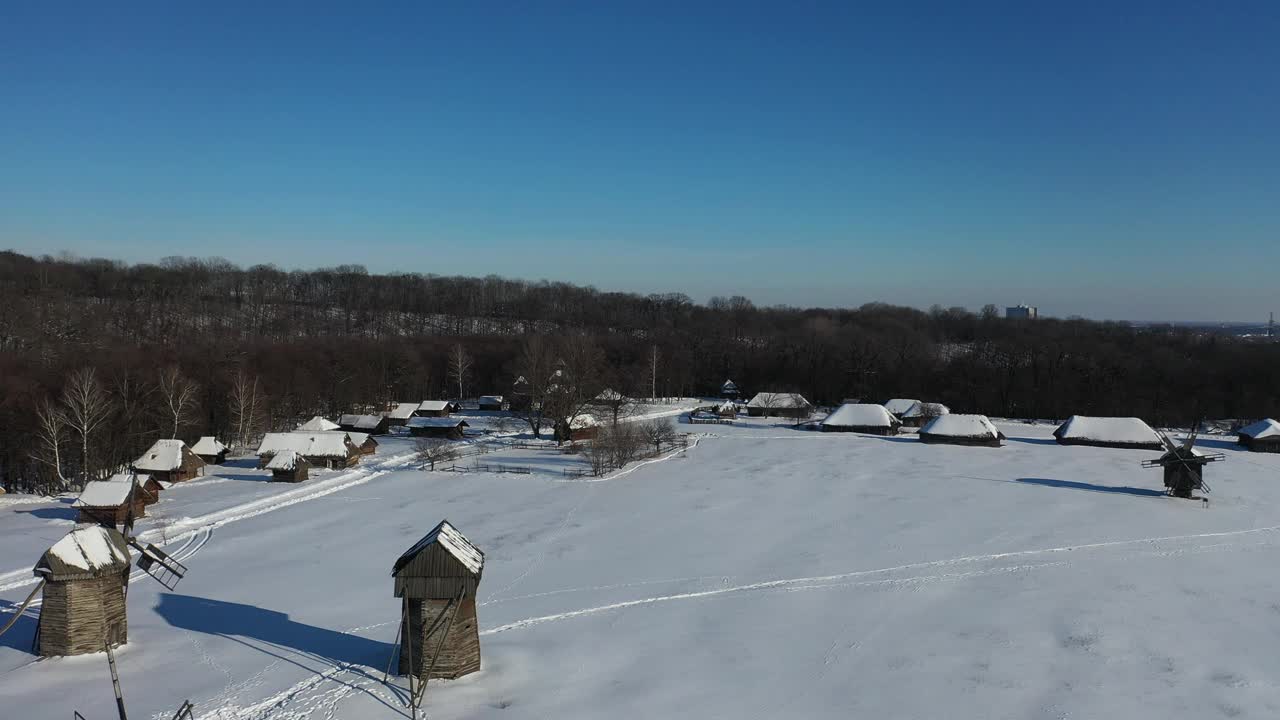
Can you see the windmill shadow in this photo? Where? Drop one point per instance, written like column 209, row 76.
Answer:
column 58, row 512
column 1090, row 487
column 20, row 636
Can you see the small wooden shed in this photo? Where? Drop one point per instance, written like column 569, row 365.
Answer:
column 211, row 450
column 367, row 424
column 109, row 502
column 436, row 580
column 400, row 413
column 437, row 427
column 583, row 427
column 288, row 466
column 434, row 408
column 170, row 461
column 85, row 575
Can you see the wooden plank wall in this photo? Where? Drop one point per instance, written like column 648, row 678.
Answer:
column 78, row 614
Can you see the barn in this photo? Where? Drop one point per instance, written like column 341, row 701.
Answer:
column 85, row 575
column 772, row 404
column 110, row 502
column 367, row 424
column 490, row 402
column 210, row 450
column 437, row 580
column 862, row 418
column 437, row 427
column 169, row 461
column 1115, row 432
column 1262, row 436
column 288, row 466
column 922, row 412
column 434, row 408
column 961, row 430
column 321, row 449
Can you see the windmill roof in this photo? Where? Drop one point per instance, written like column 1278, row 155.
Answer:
column 438, row 422
column 774, row 400
column 364, row 422
column 434, row 405
column 899, row 406
column 860, row 415
column 315, row 444
column 453, row 542
column 164, row 456
column 87, row 550
column 961, row 426
column 318, row 424
column 208, row 445
column 1128, row 430
column 1262, row 429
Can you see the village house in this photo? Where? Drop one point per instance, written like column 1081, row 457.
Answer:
column 437, row 427
column 318, row 424
column 169, row 461
column 333, row 450
column 210, row 450
column 772, row 404
column 367, row 424
column 288, row 466
column 582, row 427
column 110, row 502
column 434, row 408
column 1115, row 432
column 961, row 430
column 922, row 412
column 900, row 406
column 727, row 410
column 400, row 413
column 862, row 418
column 1262, row 436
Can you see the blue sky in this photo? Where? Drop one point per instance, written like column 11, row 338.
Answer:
column 1116, row 160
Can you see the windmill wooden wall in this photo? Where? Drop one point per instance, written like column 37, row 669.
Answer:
column 430, row 581
column 78, row 615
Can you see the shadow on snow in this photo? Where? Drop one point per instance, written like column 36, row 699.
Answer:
column 1090, row 487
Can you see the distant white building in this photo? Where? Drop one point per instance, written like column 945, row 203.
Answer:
column 1022, row 312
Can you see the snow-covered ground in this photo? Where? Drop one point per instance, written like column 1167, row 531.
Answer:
column 766, row 572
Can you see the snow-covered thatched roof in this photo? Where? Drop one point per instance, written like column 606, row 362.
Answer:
column 318, row 424
column 434, row 405
column 315, row 444
column 436, row 422
column 1261, row 430
column 285, row 460
column 164, row 456
column 925, row 409
column 727, row 406
column 583, row 422
column 900, row 406
column 403, row 411
column 861, row 415
column 1129, row 431
column 208, row 445
column 87, row 551
column 452, row 542
column 363, row 422
column 775, row 401
column 112, row 492
column 961, row 426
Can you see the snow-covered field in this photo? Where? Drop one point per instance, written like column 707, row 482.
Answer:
column 767, row 572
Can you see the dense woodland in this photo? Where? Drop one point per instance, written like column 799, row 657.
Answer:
column 119, row 355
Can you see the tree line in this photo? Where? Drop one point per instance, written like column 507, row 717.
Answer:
column 189, row 347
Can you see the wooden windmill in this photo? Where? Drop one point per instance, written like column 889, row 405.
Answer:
column 1183, row 465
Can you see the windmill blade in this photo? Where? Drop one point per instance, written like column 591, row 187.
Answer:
column 1191, row 438
column 157, row 563
column 1168, row 443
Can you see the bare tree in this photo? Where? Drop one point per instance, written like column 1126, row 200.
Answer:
column 86, row 406
column 459, row 368
column 657, row 432
column 430, row 451
column 51, row 431
column 576, row 383
column 614, row 405
column 534, row 365
column 178, row 395
column 245, row 408
column 613, row 447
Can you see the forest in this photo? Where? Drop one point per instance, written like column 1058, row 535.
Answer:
column 98, row 358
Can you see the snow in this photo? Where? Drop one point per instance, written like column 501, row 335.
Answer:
column 453, row 542
column 403, row 411
column 107, row 493
column 778, row 401
column 208, row 445
column 900, row 406
column 433, row 405
column 164, row 456
column 318, row 424
column 926, row 409
column 965, row 426
column 284, row 460
column 1261, row 429
column 766, row 572
column 315, row 444
column 860, row 415
column 1108, row 429
column 88, row 548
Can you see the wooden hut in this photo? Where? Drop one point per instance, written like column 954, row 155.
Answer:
column 961, row 430
column 1116, row 432
column 321, row 449
column 210, row 450
column 582, row 427
column 434, row 408
column 1262, row 436
column 436, row 580
column 288, row 466
column 767, row 404
column 110, row 502
column 318, row 424
column 84, row 574
column 169, row 461
column 364, row 443
column 367, row 424
column 921, row 413
column 437, row 427
column 400, row 413
column 862, row 418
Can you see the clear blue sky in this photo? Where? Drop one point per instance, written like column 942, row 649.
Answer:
column 1107, row 159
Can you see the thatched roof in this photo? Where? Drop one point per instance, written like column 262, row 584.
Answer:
column 923, row 410
column 778, row 401
column 314, row 444
column 208, row 445
column 89, row 551
column 109, row 493
column 961, row 426
column 286, row 460
column 899, row 406
column 1262, row 430
column 164, row 456
column 1115, row 431
column 318, row 424
column 861, row 415
column 447, row 537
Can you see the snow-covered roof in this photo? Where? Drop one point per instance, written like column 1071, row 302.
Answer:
column 453, row 542
column 112, row 492
column 490, row 399
column 434, row 405
column 926, row 409
column 438, row 422
column 728, row 385
column 1124, row 430
column 861, row 415
column 89, row 549
column 583, row 421
column 208, row 445
column 357, row 438
column 774, row 400
column 1261, row 429
column 318, row 424
column 315, row 444
column 364, row 422
column 727, row 406
column 403, row 411
column 610, row 395
column 164, row 456
column 899, row 406
column 284, row 460
column 962, row 426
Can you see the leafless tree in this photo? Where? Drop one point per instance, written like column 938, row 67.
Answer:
column 577, row 384
column 51, row 431
column 614, row 405
column 86, row 406
column 246, row 404
column 534, row 364
column 430, row 451
column 614, row 447
column 178, row 395
column 459, row 368
column 658, row 432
